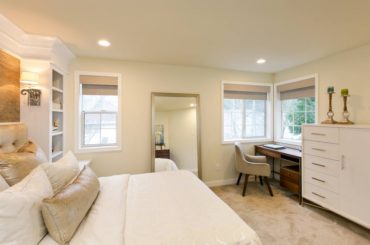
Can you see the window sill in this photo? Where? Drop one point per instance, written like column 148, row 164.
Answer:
column 98, row 149
column 252, row 140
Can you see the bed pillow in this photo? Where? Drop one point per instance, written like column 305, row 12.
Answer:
column 64, row 212
column 62, row 172
column 32, row 147
column 17, row 165
column 3, row 184
column 20, row 209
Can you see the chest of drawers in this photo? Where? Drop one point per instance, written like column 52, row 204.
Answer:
column 336, row 169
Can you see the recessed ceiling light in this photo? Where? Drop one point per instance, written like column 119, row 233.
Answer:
column 261, row 61
column 192, row 105
column 104, row 43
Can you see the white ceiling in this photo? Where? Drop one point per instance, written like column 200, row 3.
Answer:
column 173, row 103
column 229, row 34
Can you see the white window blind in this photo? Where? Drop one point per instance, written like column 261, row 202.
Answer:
column 296, row 90
column 99, row 85
column 245, row 92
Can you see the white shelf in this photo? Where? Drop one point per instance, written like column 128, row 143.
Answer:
column 56, row 154
column 56, row 132
column 57, row 89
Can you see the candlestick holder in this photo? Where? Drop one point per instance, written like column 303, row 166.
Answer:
column 345, row 112
column 330, row 113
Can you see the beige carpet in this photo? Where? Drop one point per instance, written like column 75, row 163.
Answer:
column 281, row 220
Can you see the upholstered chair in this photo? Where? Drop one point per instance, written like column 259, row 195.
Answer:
column 251, row 165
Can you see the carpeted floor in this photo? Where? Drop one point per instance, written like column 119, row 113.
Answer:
column 281, row 220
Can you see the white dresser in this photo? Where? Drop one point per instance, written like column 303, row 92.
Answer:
column 336, row 169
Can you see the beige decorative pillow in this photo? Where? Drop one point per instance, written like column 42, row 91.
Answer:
column 20, row 209
column 65, row 211
column 32, row 147
column 3, row 184
column 62, row 172
column 17, row 165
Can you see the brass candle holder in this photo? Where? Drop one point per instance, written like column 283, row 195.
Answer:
column 330, row 113
column 345, row 112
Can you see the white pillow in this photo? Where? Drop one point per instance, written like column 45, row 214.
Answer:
column 20, row 209
column 3, row 184
column 63, row 171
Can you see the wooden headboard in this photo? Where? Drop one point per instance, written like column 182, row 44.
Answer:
column 9, row 88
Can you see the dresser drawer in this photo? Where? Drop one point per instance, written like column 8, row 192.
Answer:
column 322, row 165
column 321, row 180
column 320, row 149
column 322, row 134
column 321, row 196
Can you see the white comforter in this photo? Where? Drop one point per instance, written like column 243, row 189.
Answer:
column 160, row 208
column 177, row 208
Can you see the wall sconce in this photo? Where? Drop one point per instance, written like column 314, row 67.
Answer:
column 34, row 95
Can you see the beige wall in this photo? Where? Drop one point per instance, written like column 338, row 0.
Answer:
column 139, row 80
column 349, row 69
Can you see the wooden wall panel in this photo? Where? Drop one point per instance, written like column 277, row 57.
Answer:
column 9, row 88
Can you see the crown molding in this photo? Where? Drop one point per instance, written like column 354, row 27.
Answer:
column 35, row 47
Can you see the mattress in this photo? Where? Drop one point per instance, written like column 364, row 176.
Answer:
column 177, row 208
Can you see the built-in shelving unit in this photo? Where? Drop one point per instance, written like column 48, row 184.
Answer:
column 57, row 115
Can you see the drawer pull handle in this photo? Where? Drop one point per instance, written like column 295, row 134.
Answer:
column 322, row 181
column 318, row 134
column 342, row 162
column 320, row 165
column 318, row 195
column 318, row 149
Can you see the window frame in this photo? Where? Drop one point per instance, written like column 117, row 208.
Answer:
column 79, row 146
column 277, row 108
column 268, row 117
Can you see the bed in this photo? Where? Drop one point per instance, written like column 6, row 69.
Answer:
column 169, row 207
column 164, row 164
column 172, row 207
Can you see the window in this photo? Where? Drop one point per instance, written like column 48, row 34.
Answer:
column 295, row 106
column 246, row 111
column 99, row 111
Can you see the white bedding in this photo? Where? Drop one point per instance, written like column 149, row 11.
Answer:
column 105, row 221
column 164, row 164
column 171, row 208
column 177, row 208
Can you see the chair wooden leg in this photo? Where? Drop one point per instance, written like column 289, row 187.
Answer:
column 268, row 186
column 261, row 181
column 245, row 184
column 240, row 176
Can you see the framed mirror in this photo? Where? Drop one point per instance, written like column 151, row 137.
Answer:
column 176, row 132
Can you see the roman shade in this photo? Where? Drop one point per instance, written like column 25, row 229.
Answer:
column 295, row 90
column 99, row 85
column 246, row 91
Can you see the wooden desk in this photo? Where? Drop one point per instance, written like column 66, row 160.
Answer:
column 287, row 154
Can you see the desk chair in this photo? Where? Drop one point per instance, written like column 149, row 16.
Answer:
column 251, row 165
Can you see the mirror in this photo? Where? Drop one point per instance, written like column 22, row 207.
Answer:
column 176, row 132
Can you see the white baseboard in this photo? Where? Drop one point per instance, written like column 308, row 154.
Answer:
column 221, row 182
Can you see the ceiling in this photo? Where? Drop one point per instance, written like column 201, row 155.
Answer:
column 230, row 34
column 174, row 103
